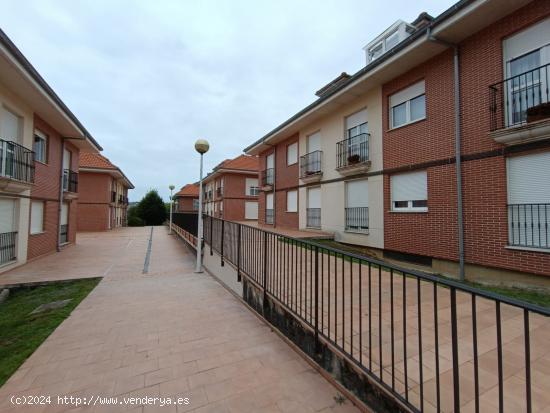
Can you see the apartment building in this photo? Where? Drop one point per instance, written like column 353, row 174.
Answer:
column 383, row 162
column 231, row 189
column 187, row 198
column 103, row 194
column 40, row 144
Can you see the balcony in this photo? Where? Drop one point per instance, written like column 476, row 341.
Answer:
column 269, row 216
column 352, row 155
column 313, row 218
column 7, row 247
column 268, row 179
column 70, row 184
column 310, row 167
column 520, row 108
column 16, row 167
column 357, row 219
column 529, row 226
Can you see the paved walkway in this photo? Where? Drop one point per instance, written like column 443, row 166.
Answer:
column 169, row 332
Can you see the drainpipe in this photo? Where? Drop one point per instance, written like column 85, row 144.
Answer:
column 58, row 247
column 458, row 139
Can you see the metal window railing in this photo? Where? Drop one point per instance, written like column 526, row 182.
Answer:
column 313, row 217
column 269, row 216
column 64, row 233
column 7, row 246
column 16, row 161
column 352, row 151
column 268, row 176
column 422, row 339
column 310, row 164
column 515, row 101
column 529, row 225
column 357, row 219
column 70, row 181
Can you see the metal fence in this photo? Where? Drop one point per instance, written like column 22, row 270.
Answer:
column 529, row 225
column 313, row 217
column 188, row 221
column 352, row 151
column 7, row 246
column 310, row 164
column 357, row 219
column 16, row 161
column 429, row 342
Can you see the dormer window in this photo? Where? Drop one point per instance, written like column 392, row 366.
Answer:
column 395, row 34
column 392, row 40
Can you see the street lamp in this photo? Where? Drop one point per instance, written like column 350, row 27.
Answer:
column 201, row 146
column 171, row 187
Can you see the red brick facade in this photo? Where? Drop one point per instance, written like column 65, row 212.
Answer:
column 286, row 178
column 47, row 188
column 434, row 233
column 233, row 196
column 94, row 202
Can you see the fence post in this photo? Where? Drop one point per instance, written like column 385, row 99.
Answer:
column 454, row 344
column 211, row 234
column 239, row 253
column 221, row 247
column 265, row 268
column 316, row 299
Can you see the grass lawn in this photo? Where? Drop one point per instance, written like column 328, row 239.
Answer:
column 21, row 333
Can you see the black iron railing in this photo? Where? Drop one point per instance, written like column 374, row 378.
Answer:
column 310, row 164
column 313, row 217
column 64, row 233
column 269, row 216
column 7, row 246
column 113, row 196
column 423, row 340
column 352, row 151
column 70, row 181
column 16, row 161
column 187, row 221
column 268, row 176
column 357, row 219
column 520, row 99
column 529, row 225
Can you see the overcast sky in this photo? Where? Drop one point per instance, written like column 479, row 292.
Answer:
column 147, row 78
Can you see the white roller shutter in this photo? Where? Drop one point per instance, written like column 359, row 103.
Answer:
column 532, row 38
column 251, row 183
column 314, row 198
column 407, row 94
column 292, row 201
column 292, row 154
column 356, row 119
column 529, row 179
column 410, row 186
column 251, row 210
column 37, row 217
column 7, row 215
column 269, row 201
column 357, row 194
column 270, row 162
column 64, row 213
column 314, row 142
column 10, row 126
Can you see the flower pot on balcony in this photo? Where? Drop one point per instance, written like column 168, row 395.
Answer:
column 354, row 159
column 538, row 112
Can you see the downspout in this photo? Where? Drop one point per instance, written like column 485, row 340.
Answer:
column 58, row 247
column 458, row 140
column 274, row 181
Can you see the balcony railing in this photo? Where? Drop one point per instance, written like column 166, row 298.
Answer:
column 16, row 161
column 269, row 215
column 529, row 225
column 7, row 246
column 352, row 151
column 313, row 217
column 64, row 234
column 70, row 181
column 520, row 99
column 268, row 176
column 310, row 164
column 113, row 196
column 357, row 219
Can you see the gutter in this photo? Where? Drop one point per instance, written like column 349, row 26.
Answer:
column 458, row 145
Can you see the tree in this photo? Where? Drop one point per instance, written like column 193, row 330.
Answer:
column 133, row 218
column 151, row 209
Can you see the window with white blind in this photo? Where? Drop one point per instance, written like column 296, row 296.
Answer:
column 10, row 125
column 409, row 191
column 40, row 145
column 408, row 105
column 292, row 154
column 37, row 217
column 357, row 205
column 529, row 200
column 252, row 188
column 250, row 210
column 7, row 215
column 292, row 201
column 269, row 201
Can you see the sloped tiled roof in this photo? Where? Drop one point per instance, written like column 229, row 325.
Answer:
column 241, row 162
column 95, row 160
column 188, row 190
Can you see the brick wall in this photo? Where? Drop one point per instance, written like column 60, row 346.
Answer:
column 185, row 204
column 94, row 197
column 286, row 178
column 484, row 180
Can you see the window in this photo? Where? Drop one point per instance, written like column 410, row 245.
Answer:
column 252, row 188
column 292, row 154
column 409, row 192
column 408, row 105
column 40, row 145
column 292, row 201
column 529, row 200
column 10, row 126
column 37, row 217
column 195, row 204
column 376, row 51
column 392, row 40
column 313, row 211
column 250, row 210
column 357, row 205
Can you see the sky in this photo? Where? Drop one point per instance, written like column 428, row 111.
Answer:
column 148, row 78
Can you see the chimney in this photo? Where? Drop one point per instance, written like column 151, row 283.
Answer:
column 333, row 85
column 423, row 20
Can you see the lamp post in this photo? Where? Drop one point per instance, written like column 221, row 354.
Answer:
column 171, row 187
column 201, row 146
